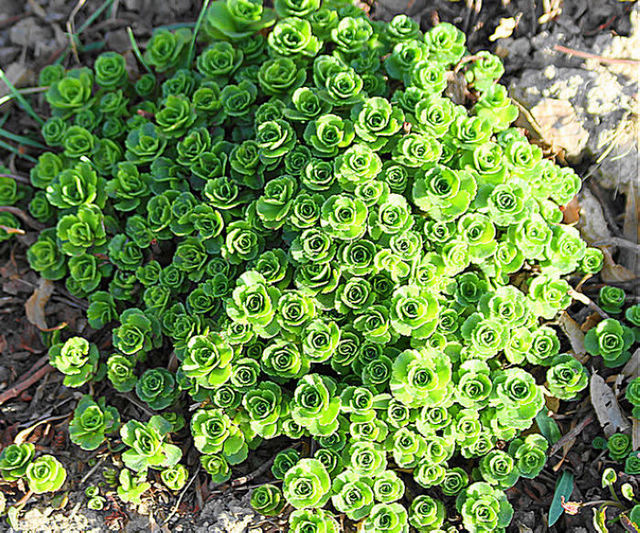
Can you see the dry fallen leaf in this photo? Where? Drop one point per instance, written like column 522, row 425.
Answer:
column 631, row 230
column 560, row 126
column 574, row 333
column 635, row 434
column 552, row 403
column 18, row 74
column 456, row 87
column 571, row 211
column 591, row 322
column 592, row 224
column 632, row 368
column 612, row 272
column 606, row 406
column 34, row 306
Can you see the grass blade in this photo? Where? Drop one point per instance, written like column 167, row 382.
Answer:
column 22, row 139
column 93, row 47
column 136, row 50
column 94, row 16
column 18, row 96
column 564, row 489
column 29, row 90
column 548, row 427
column 17, row 151
column 192, row 47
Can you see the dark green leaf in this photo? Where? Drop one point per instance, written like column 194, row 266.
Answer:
column 564, row 489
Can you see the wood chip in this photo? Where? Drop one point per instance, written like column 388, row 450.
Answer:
column 574, row 333
column 612, row 272
column 34, row 306
column 606, row 406
column 592, row 222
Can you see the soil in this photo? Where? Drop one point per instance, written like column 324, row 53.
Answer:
column 32, row 35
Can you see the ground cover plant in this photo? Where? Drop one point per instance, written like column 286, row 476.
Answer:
column 332, row 249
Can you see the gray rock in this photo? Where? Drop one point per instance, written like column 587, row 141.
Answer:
column 28, row 31
column 590, row 110
column 226, row 514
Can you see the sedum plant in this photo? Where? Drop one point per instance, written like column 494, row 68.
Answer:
column 14, row 460
column 175, row 477
column 147, row 446
column 297, row 229
column 131, row 487
column 91, row 421
column 45, row 474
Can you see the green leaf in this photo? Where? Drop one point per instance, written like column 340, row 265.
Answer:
column 12, row 518
column 600, row 519
column 564, row 489
column 609, row 477
column 548, row 427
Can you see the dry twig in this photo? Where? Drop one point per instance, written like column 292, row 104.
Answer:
column 602, row 59
column 570, row 435
column 179, row 500
column 32, row 223
column 23, row 385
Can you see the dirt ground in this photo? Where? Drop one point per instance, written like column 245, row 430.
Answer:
column 33, row 33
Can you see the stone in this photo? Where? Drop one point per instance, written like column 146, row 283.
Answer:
column 18, row 74
column 561, row 126
column 28, row 31
column 589, row 110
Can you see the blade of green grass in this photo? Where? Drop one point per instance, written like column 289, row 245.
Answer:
column 22, row 139
column 136, row 50
column 14, row 150
column 29, row 90
column 16, row 94
column 192, row 47
column 93, row 47
column 563, row 491
column 62, row 57
column 4, row 119
column 94, row 16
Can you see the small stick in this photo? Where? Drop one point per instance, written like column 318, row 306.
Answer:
column 33, row 224
column 621, row 243
column 12, row 231
column 17, row 178
column 258, row 471
column 583, row 298
column 71, row 28
column 179, row 500
column 92, row 470
column 570, row 435
column 18, row 388
column 464, row 60
column 602, row 59
column 251, row 476
column 23, row 501
column 130, row 397
column 44, row 359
